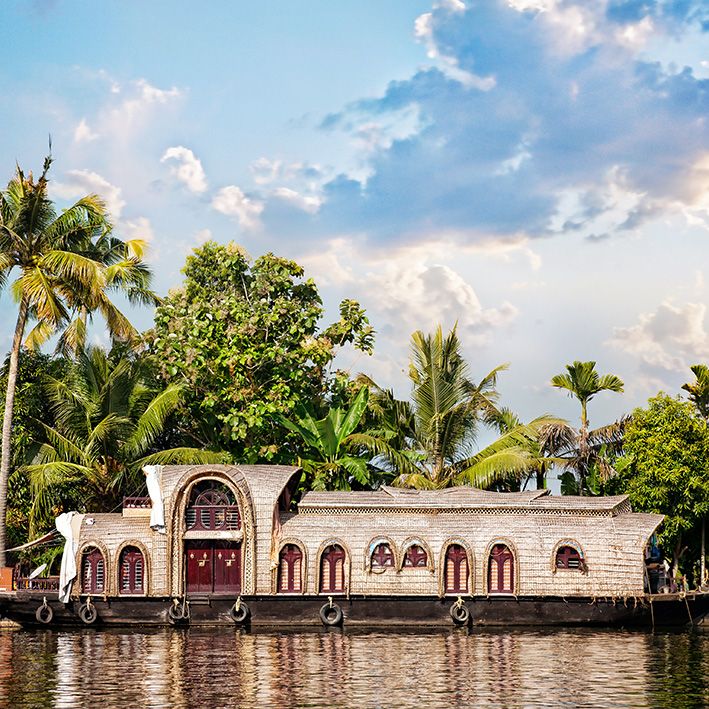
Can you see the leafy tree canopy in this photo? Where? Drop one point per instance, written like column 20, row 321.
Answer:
column 244, row 339
column 668, row 448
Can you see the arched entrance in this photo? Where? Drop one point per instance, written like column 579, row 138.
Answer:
column 212, row 540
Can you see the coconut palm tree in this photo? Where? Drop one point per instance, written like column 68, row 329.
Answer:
column 583, row 382
column 125, row 273
column 64, row 267
column 44, row 247
column 437, row 430
column 107, row 421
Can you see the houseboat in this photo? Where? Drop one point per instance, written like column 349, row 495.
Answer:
column 227, row 545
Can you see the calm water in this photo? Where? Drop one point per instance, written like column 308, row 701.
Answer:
column 199, row 668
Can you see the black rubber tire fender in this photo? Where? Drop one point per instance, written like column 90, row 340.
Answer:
column 460, row 613
column 240, row 615
column 331, row 614
column 174, row 613
column 88, row 613
column 44, row 614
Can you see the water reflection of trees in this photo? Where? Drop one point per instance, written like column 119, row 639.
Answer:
column 677, row 671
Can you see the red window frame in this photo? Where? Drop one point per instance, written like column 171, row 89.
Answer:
column 93, row 571
column 131, row 573
column 568, row 557
column 290, row 569
column 415, row 557
column 382, row 557
column 501, row 570
column 332, row 569
column 456, row 569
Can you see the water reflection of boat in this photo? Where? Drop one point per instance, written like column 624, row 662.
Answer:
column 225, row 544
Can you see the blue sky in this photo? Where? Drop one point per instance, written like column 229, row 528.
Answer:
column 535, row 170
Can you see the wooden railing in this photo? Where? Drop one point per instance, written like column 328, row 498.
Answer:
column 41, row 583
column 141, row 503
column 208, row 518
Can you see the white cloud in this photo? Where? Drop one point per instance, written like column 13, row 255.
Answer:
column 84, row 134
column 447, row 63
column 203, row 236
column 188, row 169
column 670, row 338
column 306, row 203
column 233, row 202
column 139, row 228
column 265, row 171
column 131, row 108
column 81, row 182
column 407, row 289
column 420, row 295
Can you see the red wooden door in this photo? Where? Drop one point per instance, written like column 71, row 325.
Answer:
column 227, row 567
column 200, row 572
column 501, row 573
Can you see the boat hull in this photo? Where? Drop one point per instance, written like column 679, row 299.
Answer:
column 370, row 612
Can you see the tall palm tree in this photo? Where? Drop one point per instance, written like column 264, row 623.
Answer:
column 437, row 430
column 64, row 268
column 107, row 421
column 583, row 382
column 44, row 247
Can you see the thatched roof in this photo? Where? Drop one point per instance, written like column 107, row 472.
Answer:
column 459, row 498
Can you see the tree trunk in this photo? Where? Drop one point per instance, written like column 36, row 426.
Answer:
column 6, row 458
column 702, row 561
column 583, row 449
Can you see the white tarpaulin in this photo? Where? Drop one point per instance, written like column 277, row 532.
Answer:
column 68, row 525
column 153, row 475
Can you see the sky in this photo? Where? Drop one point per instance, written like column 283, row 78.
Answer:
column 536, row 171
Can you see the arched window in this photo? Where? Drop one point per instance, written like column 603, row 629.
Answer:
column 290, row 569
column 501, row 570
column 131, row 571
column 382, row 557
column 415, row 557
column 568, row 557
column 332, row 570
column 456, row 569
column 93, row 571
column 212, row 507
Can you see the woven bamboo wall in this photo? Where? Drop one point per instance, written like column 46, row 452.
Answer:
column 532, row 524
column 612, row 546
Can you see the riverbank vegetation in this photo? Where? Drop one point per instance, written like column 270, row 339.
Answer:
column 239, row 367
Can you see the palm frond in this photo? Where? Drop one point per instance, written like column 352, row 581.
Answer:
column 152, row 421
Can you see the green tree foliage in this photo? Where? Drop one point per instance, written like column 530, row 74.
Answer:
column 107, row 419
column 337, row 455
column 699, row 390
column 582, row 448
column 436, row 432
column 668, row 449
column 31, row 405
column 243, row 339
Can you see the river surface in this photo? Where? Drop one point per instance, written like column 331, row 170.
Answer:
column 230, row 668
